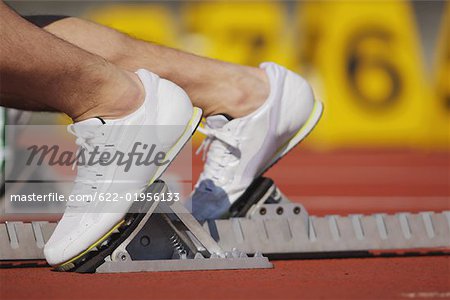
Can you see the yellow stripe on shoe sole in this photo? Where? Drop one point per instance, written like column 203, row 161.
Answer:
column 99, row 241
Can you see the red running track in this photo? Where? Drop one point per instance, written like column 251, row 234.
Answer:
column 339, row 182
column 375, row 278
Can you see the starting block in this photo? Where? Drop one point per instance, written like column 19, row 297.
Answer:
column 262, row 224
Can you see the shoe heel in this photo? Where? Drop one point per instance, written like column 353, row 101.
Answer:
column 301, row 134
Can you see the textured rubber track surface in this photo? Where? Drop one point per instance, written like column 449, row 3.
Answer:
column 331, row 182
column 376, row 278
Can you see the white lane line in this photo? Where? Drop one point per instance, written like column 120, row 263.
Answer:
column 434, row 295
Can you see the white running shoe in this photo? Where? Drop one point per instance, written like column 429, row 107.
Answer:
column 239, row 150
column 166, row 120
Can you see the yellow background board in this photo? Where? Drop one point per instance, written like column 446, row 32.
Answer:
column 241, row 32
column 149, row 22
column 372, row 78
column 440, row 114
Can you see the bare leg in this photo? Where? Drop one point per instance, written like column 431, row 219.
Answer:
column 215, row 86
column 23, row 104
column 42, row 68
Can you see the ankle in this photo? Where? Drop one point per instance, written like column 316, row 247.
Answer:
column 119, row 97
column 251, row 90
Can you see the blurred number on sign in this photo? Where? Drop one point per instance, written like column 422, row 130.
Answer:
column 371, row 72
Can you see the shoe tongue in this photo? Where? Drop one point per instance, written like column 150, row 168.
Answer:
column 217, row 121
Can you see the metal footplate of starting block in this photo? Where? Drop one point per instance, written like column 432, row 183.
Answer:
column 170, row 239
column 261, row 223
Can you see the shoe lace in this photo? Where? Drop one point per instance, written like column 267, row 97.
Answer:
column 87, row 176
column 220, row 150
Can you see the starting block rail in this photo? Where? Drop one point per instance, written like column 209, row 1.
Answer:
column 332, row 233
column 168, row 238
column 24, row 241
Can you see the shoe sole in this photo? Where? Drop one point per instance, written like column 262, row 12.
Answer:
column 173, row 152
column 299, row 136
